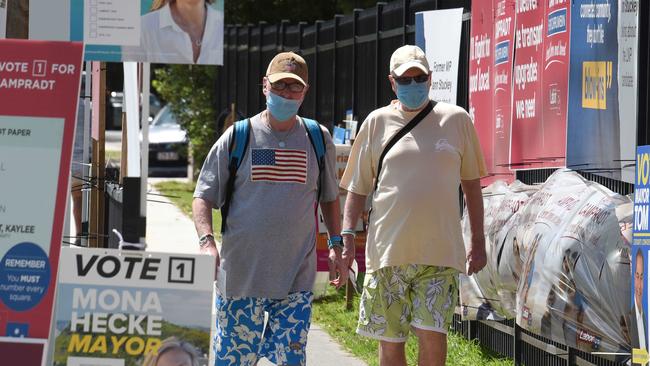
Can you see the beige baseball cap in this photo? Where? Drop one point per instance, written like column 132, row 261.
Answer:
column 407, row 57
column 287, row 65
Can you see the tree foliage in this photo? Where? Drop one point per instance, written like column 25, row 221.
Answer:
column 189, row 89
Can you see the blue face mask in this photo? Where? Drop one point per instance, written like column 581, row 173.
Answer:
column 281, row 108
column 412, row 95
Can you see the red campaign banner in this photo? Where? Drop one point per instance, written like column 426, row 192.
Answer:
column 39, row 89
column 529, row 148
column 555, row 82
column 480, row 80
column 504, row 27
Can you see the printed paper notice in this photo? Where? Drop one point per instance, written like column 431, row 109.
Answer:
column 112, row 22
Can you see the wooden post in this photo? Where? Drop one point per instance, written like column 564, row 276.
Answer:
column 96, row 220
column 349, row 294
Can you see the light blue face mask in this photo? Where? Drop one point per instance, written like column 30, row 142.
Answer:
column 412, row 95
column 282, row 109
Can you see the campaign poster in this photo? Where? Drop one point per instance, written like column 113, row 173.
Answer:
column 555, row 83
column 157, row 31
column 504, row 45
column 437, row 32
column 322, row 252
column 3, row 18
column 528, row 144
column 628, row 53
column 593, row 131
column 481, row 69
column 116, row 308
column 39, row 89
column 638, row 316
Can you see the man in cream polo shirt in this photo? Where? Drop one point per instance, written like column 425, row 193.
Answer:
column 414, row 249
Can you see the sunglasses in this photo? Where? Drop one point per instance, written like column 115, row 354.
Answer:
column 406, row 80
column 293, row 87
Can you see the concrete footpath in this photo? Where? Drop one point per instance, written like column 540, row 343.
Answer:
column 169, row 230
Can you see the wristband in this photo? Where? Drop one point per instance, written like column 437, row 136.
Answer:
column 335, row 241
column 203, row 240
column 349, row 232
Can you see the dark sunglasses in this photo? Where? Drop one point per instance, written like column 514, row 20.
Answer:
column 293, row 87
column 406, row 80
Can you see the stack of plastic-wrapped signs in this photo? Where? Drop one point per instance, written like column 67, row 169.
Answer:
column 558, row 262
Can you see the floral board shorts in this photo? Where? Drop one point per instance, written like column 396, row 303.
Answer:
column 242, row 338
column 397, row 298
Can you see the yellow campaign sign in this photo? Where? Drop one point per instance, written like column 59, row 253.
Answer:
column 640, row 356
column 596, row 79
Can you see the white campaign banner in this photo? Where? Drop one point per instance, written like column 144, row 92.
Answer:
column 3, row 18
column 118, row 307
column 628, row 51
column 438, row 34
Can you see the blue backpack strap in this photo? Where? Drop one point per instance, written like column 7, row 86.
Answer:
column 318, row 143
column 237, row 150
column 316, row 137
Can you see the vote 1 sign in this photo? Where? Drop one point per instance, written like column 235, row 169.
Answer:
column 39, row 90
column 116, row 308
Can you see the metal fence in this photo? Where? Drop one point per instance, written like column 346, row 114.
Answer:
column 348, row 66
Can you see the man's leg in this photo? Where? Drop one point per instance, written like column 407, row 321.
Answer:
column 435, row 290
column 392, row 354
column 385, row 312
column 238, row 336
column 285, row 337
column 432, row 349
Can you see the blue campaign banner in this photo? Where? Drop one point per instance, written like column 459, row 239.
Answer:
column 593, row 123
column 638, row 319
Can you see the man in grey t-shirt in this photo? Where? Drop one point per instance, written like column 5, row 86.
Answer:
column 267, row 261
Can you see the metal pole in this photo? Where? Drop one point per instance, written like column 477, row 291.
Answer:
column 283, row 33
column 236, row 68
column 314, row 82
column 262, row 70
column 337, row 21
column 249, row 30
column 378, row 22
column 406, row 7
column 355, row 76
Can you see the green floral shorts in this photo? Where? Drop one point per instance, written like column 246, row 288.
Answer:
column 397, row 298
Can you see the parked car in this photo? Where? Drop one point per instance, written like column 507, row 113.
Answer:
column 167, row 145
column 114, row 109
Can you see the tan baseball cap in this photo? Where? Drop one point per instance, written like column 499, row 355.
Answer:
column 287, row 65
column 407, row 57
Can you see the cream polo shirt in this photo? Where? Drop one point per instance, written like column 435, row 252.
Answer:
column 415, row 217
column 163, row 41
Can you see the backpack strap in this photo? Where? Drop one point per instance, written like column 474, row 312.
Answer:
column 403, row 131
column 237, row 151
column 318, row 143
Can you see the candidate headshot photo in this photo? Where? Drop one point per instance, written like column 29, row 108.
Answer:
column 638, row 326
column 180, row 32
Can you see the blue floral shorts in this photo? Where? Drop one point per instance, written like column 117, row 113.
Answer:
column 242, row 338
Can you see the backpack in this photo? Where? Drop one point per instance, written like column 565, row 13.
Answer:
column 239, row 146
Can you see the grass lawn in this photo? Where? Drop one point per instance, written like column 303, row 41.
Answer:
column 330, row 313
column 180, row 193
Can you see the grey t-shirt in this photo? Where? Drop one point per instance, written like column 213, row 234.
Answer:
column 269, row 247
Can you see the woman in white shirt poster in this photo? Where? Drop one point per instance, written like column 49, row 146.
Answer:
column 180, row 32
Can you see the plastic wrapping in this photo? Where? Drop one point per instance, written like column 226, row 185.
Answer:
column 571, row 243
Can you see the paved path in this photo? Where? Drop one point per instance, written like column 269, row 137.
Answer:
column 169, row 230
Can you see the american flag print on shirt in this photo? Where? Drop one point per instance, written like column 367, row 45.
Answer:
column 279, row 165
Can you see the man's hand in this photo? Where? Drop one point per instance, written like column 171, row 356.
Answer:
column 338, row 265
column 476, row 257
column 210, row 248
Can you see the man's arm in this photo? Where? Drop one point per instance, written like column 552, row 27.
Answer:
column 476, row 257
column 354, row 206
column 332, row 217
column 202, row 214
